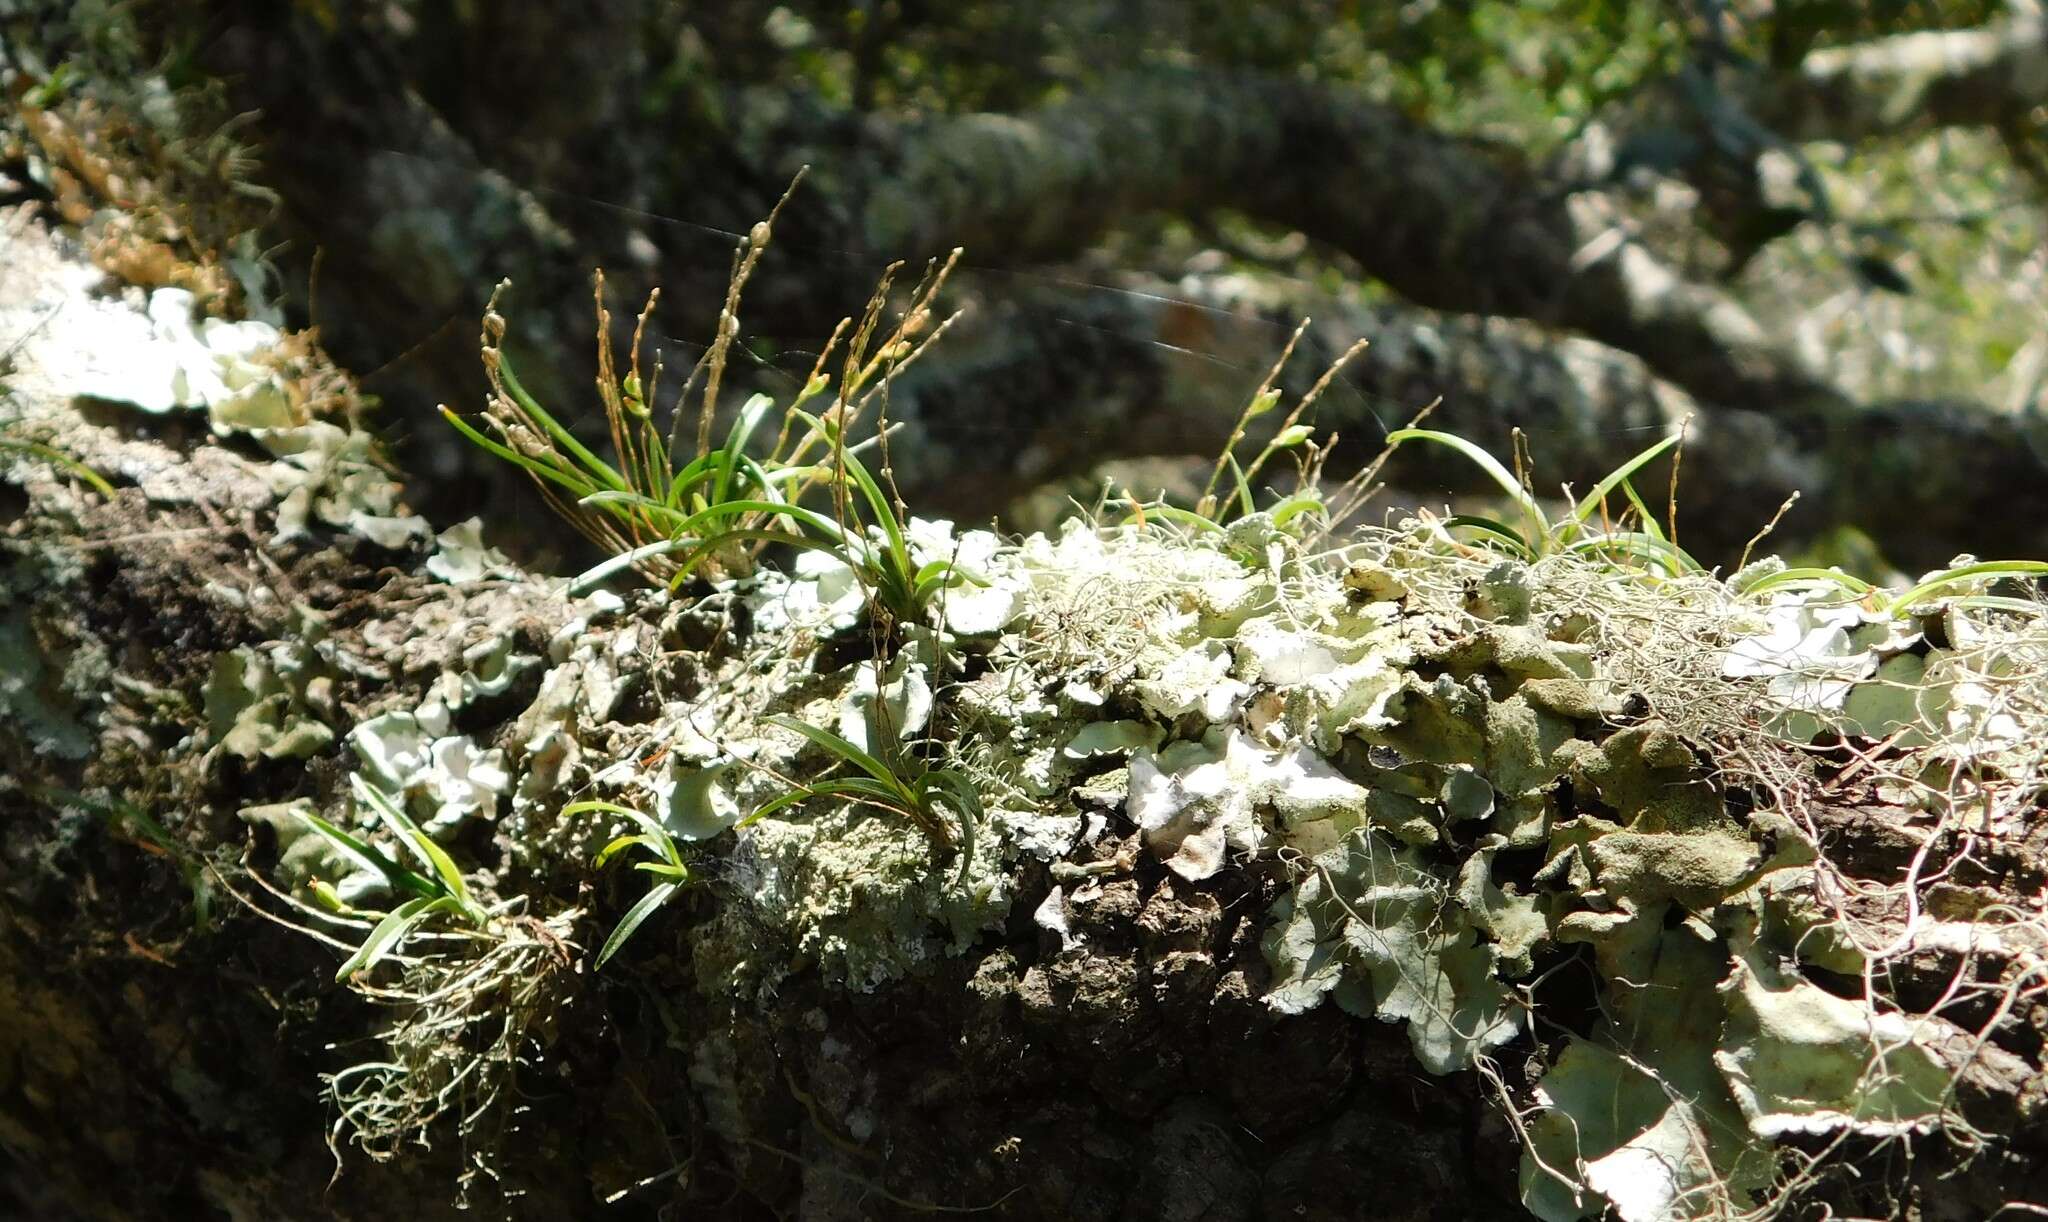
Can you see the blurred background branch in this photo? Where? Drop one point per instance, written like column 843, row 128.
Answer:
column 1812, row 227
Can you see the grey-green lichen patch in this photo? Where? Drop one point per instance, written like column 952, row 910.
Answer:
column 1194, row 680
column 892, row 703
column 1956, row 677
column 54, row 676
column 33, row 695
column 270, row 702
column 863, row 895
column 1112, row 738
column 1371, row 925
column 460, row 554
column 331, row 475
column 1799, row 1059
column 1448, row 763
column 1408, row 741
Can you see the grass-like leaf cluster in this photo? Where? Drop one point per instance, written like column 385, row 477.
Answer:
column 672, row 509
column 1937, row 586
column 666, row 866
column 898, row 780
column 436, row 889
column 1634, row 537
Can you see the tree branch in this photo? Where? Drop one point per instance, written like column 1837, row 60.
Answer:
column 1452, row 224
column 1910, row 83
column 1051, row 384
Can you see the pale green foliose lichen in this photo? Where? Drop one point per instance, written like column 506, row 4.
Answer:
column 1449, row 779
column 415, row 754
column 213, row 365
column 272, row 701
column 306, row 857
column 1411, row 761
column 460, row 554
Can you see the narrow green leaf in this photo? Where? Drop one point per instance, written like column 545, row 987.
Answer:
column 885, row 513
column 598, row 468
column 624, row 560
column 368, row 856
column 1496, row 532
column 705, row 548
column 759, row 476
column 635, row 916
column 1487, row 463
column 656, row 511
column 1642, row 546
column 1591, row 501
column 387, row 935
column 653, row 834
column 822, row 526
column 1294, row 506
column 1855, row 586
column 966, row 802
column 1175, row 515
column 433, row 856
column 1649, row 520
column 1245, row 505
column 889, row 795
column 776, row 804
column 736, row 442
column 620, row 845
column 565, row 476
column 1936, row 583
column 60, row 460
column 1998, row 602
column 840, row 747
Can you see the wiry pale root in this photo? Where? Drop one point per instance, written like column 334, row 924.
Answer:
column 467, row 1012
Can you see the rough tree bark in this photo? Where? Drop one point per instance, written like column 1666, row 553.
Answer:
column 153, row 1069
column 149, row 1068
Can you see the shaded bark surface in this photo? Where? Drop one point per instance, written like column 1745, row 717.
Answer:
column 148, row 1070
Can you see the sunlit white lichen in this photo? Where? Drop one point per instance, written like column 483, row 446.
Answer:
column 993, row 593
column 447, row 779
column 214, row 364
column 444, row 775
column 460, row 554
column 1195, row 802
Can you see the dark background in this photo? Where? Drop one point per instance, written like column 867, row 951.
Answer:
column 1810, row 227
